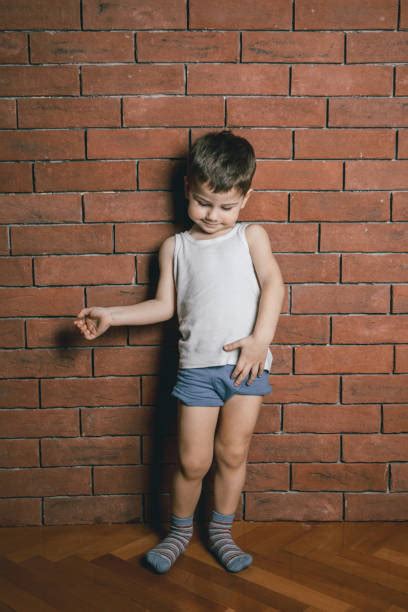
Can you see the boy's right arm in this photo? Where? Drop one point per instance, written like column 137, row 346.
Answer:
column 163, row 306
column 94, row 321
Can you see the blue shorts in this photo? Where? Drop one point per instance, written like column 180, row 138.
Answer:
column 213, row 385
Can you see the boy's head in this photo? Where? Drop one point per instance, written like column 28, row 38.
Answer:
column 220, row 169
column 223, row 161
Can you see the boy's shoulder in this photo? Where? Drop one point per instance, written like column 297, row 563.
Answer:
column 255, row 232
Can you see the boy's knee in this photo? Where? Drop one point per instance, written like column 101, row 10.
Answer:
column 194, row 467
column 231, row 456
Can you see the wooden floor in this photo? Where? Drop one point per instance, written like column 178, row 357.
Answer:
column 297, row 566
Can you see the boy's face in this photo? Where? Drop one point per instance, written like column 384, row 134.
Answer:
column 211, row 212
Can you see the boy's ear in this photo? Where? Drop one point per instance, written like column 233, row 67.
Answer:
column 248, row 193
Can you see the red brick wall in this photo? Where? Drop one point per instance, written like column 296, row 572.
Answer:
column 99, row 101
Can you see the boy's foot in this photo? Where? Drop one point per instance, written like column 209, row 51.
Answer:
column 223, row 546
column 163, row 556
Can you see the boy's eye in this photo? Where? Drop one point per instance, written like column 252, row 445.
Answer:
column 203, row 204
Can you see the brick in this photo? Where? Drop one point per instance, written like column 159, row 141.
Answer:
column 370, row 330
column 400, row 206
column 126, row 361
column 174, row 111
column 401, row 359
column 346, row 15
column 40, row 208
column 16, row 177
column 4, row 242
column 248, row 14
column 340, row 298
column 15, row 271
column 339, row 206
column 292, row 47
column 80, row 238
column 314, row 268
column 298, row 175
column 110, row 391
column 404, row 14
column 141, row 237
column 19, row 393
column 32, row 301
column 20, row 512
column 266, row 476
column 44, row 144
column 266, row 205
column 364, row 237
column 46, row 481
column 344, row 144
column 395, row 418
column 377, row 175
column 98, row 450
column 12, row 331
column 237, row 79
column 383, row 268
column 341, row 80
column 138, row 79
column 116, row 421
column 399, row 475
column 85, row 175
column 69, row 112
column 131, row 15
column 332, row 419
column 38, row 363
column 401, row 86
column 77, row 47
column 339, row 477
column 267, row 506
column 343, row 359
column 378, row 388
column 13, row 48
column 377, row 47
column 107, row 509
column 279, row 112
column 268, row 143
column 136, row 143
column 293, row 237
column 303, row 328
column 40, row 15
column 39, row 80
column 187, row 46
column 400, row 299
column 376, row 507
column 45, row 332
column 85, row 270
column 380, row 447
column 8, row 117
column 160, row 174
column 368, row 113
column 128, row 206
column 18, row 452
column 403, row 144
column 285, row 447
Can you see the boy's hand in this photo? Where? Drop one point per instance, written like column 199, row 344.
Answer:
column 251, row 359
column 93, row 322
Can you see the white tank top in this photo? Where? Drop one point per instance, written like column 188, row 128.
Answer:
column 217, row 297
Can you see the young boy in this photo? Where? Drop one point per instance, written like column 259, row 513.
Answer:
column 227, row 289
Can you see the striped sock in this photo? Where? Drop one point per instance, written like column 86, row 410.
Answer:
column 162, row 556
column 223, row 546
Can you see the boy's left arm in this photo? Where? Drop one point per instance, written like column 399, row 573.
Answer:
column 254, row 348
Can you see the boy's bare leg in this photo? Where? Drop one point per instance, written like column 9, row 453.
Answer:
column 237, row 422
column 196, row 427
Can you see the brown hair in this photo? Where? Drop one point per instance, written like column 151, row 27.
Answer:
column 222, row 159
